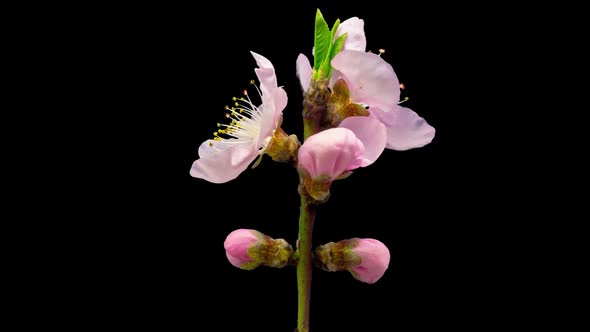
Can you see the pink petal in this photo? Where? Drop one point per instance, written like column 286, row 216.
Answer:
column 236, row 246
column 303, row 70
column 271, row 109
column 405, row 129
column 355, row 40
column 265, row 72
column 331, row 152
column 235, row 261
column 370, row 79
column 374, row 260
column 223, row 161
column 371, row 132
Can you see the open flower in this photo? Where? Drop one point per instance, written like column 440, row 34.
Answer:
column 372, row 83
column 249, row 132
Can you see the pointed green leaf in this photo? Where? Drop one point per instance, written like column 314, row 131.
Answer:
column 322, row 43
column 334, row 29
column 335, row 49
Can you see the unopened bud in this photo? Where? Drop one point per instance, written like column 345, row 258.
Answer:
column 366, row 259
column 248, row 248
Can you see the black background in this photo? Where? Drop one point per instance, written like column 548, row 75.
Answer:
column 147, row 245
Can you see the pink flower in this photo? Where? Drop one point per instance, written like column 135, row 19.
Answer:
column 374, row 260
column 357, row 142
column 223, row 158
column 372, row 82
column 237, row 244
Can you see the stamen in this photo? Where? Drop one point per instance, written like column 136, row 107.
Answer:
column 381, row 51
column 405, row 99
column 402, row 86
column 257, row 89
column 244, row 120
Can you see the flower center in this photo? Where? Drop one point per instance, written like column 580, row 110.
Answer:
column 245, row 121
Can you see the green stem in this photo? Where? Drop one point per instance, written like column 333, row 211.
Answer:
column 306, row 219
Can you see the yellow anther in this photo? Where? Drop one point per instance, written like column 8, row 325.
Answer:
column 218, row 125
column 226, row 107
column 215, row 134
column 234, row 98
column 251, row 81
column 237, row 104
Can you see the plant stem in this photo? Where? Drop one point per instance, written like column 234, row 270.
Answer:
column 306, row 219
column 314, row 106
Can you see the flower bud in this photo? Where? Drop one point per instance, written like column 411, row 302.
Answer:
column 248, row 248
column 366, row 259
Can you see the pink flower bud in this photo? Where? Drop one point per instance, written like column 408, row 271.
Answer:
column 331, row 152
column 374, row 262
column 237, row 244
column 366, row 259
column 248, row 248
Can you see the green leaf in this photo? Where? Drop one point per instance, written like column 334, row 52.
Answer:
column 322, row 43
column 334, row 29
column 335, row 49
